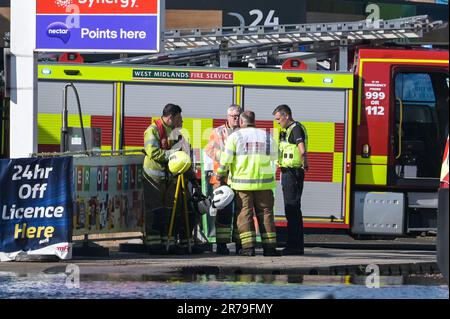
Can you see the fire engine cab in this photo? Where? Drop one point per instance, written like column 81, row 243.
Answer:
column 401, row 128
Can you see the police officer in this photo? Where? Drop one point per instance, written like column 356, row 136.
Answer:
column 247, row 157
column 293, row 163
column 161, row 139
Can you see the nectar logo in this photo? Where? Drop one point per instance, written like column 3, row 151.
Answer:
column 59, row 30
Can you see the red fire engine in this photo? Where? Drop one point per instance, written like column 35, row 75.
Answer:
column 401, row 100
column 376, row 133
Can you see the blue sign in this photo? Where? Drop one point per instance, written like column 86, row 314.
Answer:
column 98, row 26
column 35, row 207
column 98, row 33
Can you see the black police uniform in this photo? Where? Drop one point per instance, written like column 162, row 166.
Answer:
column 292, row 183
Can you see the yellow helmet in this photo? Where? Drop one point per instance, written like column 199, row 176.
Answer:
column 179, row 162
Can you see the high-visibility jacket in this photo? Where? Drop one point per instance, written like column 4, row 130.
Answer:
column 216, row 146
column 249, row 156
column 157, row 144
column 289, row 155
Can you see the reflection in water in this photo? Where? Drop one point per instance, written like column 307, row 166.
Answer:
column 14, row 285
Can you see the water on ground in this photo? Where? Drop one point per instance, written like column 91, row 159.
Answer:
column 55, row 286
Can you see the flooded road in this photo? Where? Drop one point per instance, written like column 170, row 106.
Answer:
column 112, row 286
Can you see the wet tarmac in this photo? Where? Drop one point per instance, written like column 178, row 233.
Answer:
column 56, row 286
column 326, row 271
column 316, row 261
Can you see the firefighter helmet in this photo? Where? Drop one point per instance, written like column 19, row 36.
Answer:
column 223, row 196
column 179, row 162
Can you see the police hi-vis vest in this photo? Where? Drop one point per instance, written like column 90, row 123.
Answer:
column 289, row 155
column 249, row 154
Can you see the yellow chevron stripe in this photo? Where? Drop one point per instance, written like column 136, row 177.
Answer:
column 197, row 131
column 379, row 160
column 49, row 126
column 118, row 110
column 136, row 147
column 349, row 155
column 371, row 174
column 338, row 167
column 321, row 136
column 308, row 219
column 238, row 97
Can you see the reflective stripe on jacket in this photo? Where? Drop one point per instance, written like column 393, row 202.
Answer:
column 156, row 158
column 249, row 155
column 289, row 155
column 216, row 146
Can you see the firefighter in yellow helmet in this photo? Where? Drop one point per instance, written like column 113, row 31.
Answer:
column 161, row 141
column 248, row 157
column 293, row 163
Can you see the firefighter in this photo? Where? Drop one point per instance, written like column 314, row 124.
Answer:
column 293, row 162
column 214, row 149
column 247, row 156
column 162, row 139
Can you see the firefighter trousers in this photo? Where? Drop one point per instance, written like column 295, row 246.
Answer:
column 226, row 225
column 158, row 203
column 261, row 204
column 292, row 180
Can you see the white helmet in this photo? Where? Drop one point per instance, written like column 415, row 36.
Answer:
column 222, row 197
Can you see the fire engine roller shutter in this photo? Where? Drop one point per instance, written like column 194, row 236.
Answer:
column 323, row 113
column 200, row 105
column 196, row 101
column 95, row 98
column 96, row 104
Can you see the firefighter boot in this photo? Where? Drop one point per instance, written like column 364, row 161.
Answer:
column 271, row 252
column 178, row 250
column 238, row 248
column 157, row 250
column 222, row 249
column 290, row 251
column 247, row 252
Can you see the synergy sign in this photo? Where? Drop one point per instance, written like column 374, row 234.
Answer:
column 98, row 25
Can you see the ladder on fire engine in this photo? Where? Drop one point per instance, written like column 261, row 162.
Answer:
column 220, row 45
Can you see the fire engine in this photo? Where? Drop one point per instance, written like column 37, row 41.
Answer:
column 376, row 129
